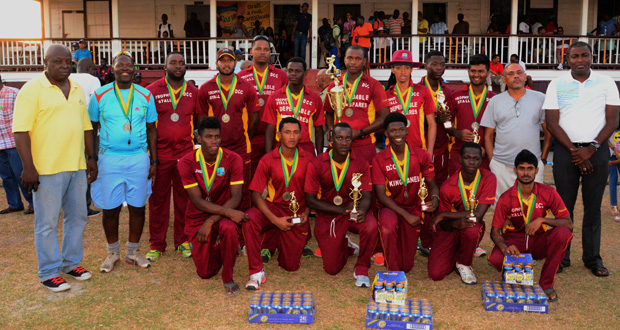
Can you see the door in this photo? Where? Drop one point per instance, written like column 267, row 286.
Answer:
column 98, row 20
column 342, row 10
column 73, row 24
column 429, row 10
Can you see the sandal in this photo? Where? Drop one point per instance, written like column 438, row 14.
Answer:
column 599, row 270
column 29, row 210
column 551, row 292
column 11, row 210
column 231, row 289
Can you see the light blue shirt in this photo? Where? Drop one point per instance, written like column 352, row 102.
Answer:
column 438, row 28
column 106, row 110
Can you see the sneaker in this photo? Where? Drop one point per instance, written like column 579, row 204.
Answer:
column 153, row 255
column 93, row 213
column 617, row 218
column 355, row 247
column 361, row 281
column 109, row 262
column 256, row 280
column 79, row 273
column 137, row 260
column 307, row 251
column 56, row 284
column 480, row 252
column 614, row 210
column 317, row 253
column 467, row 274
column 185, row 249
column 424, row 251
column 379, row 259
column 265, row 255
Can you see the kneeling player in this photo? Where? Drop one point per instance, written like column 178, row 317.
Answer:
column 282, row 173
column 213, row 177
column 330, row 174
column 520, row 225
column 456, row 236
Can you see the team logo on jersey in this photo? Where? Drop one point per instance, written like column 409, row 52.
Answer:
column 220, row 171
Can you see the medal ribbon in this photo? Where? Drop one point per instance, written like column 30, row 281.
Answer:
column 349, row 96
column 119, row 97
column 205, row 175
column 260, row 85
column 433, row 93
column 463, row 188
column 477, row 102
column 173, row 99
column 401, row 100
column 288, row 176
column 338, row 180
column 526, row 217
column 403, row 170
column 231, row 91
column 289, row 96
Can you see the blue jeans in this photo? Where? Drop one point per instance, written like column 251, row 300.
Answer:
column 301, row 39
column 66, row 191
column 10, row 172
column 334, row 51
column 613, row 182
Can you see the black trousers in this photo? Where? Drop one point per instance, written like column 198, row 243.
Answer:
column 567, row 178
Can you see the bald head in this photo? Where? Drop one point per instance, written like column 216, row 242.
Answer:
column 245, row 65
column 57, row 50
column 322, row 79
column 58, row 63
column 86, row 65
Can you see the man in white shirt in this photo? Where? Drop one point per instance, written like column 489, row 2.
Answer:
column 582, row 113
column 164, row 26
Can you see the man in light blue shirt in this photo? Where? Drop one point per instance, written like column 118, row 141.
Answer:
column 82, row 52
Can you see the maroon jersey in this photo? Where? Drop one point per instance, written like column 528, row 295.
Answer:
column 420, row 105
column 450, row 199
column 442, row 140
column 463, row 115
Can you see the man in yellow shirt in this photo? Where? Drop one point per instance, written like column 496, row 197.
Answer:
column 422, row 26
column 52, row 130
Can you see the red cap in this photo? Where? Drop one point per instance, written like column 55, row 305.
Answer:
column 225, row 52
column 403, row 57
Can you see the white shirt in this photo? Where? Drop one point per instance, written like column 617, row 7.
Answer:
column 89, row 83
column 164, row 28
column 581, row 105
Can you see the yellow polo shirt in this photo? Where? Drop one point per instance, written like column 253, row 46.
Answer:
column 56, row 125
column 423, row 24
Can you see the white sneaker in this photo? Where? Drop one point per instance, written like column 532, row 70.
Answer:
column 480, row 252
column 256, row 280
column 467, row 274
column 137, row 260
column 361, row 281
column 355, row 247
column 109, row 262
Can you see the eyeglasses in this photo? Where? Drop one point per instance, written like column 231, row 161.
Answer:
column 517, row 109
column 122, row 52
column 260, row 37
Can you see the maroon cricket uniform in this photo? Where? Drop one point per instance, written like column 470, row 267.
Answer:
column 420, row 105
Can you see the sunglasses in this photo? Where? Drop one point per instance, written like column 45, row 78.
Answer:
column 122, row 52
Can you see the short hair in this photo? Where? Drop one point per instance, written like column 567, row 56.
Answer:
column 470, row 145
column 164, row 15
column 297, row 60
column 494, row 56
column 209, row 123
column 461, row 16
column 479, row 59
column 288, row 120
column 305, row 4
column 394, row 117
column 173, row 53
column 261, row 37
column 343, row 125
column 115, row 59
column 514, row 56
column 432, row 53
column 579, row 44
column 526, row 157
column 360, row 17
column 356, row 47
column 240, row 16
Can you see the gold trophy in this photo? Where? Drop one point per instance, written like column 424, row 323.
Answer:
column 355, row 194
column 294, row 207
column 443, row 107
column 336, row 95
column 472, row 204
column 423, row 193
column 475, row 126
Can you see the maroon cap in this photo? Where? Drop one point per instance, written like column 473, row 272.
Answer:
column 403, row 57
column 225, row 52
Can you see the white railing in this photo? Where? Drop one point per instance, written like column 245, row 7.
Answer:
column 21, row 53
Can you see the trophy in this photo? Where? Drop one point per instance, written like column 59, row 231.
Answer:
column 356, row 194
column 336, row 95
column 443, row 107
column 423, row 193
column 294, row 207
column 475, row 126
column 472, row 204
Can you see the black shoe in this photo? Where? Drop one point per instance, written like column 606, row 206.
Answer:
column 424, row 251
column 93, row 213
column 565, row 263
column 307, row 252
column 79, row 273
column 560, row 269
column 56, row 284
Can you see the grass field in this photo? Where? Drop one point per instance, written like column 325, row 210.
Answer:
column 170, row 294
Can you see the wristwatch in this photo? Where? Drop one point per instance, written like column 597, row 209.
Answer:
column 95, row 157
column 362, row 134
column 155, row 162
column 595, row 144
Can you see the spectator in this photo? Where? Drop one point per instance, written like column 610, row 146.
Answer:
column 614, row 168
column 461, row 27
column 220, row 29
column 74, row 46
column 349, row 25
column 257, row 30
column 406, row 23
column 494, row 27
column 497, row 69
column 269, row 34
column 193, row 27
column 303, row 24
column 336, row 49
column 322, row 82
column 164, row 26
column 137, row 79
column 326, row 38
column 534, row 28
column 561, row 46
column 238, row 30
column 239, row 58
column 378, row 23
column 395, row 23
column 552, row 25
column 206, row 32
column 245, row 64
column 514, row 58
column 104, row 72
column 83, row 52
column 607, row 26
column 283, row 45
column 192, row 82
column 439, row 27
column 422, row 26
column 524, row 28
column 361, row 35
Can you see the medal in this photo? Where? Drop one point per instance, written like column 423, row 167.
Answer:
column 527, row 217
column 288, row 175
column 408, row 123
column 477, row 101
column 127, row 127
column 473, row 188
column 406, row 194
column 173, row 99
column 226, row 100
column 125, row 107
column 402, row 168
column 261, row 102
column 338, row 180
column 286, row 196
column 475, row 126
column 404, row 104
column 205, row 174
column 349, row 112
column 260, row 86
column 225, row 118
column 433, row 93
column 349, row 96
column 208, row 199
column 289, row 98
column 174, row 117
column 338, row 200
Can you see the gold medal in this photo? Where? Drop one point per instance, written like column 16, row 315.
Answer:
column 349, row 112
column 406, row 194
column 337, row 200
column 225, row 118
column 286, row 196
column 475, row 125
column 261, row 102
column 127, row 127
column 208, row 199
column 174, row 117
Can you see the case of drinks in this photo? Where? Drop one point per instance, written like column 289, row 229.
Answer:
column 390, row 287
column 505, row 297
column 412, row 314
column 282, row 307
column 519, row 270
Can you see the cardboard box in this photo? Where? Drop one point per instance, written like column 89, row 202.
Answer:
column 413, row 314
column 282, row 307
column 390, row 287
column 504, row 297
column 518, row 270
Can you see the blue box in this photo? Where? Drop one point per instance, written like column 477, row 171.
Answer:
column 504, row 297
column 281, row 318
column 396, row 325
column 522, row 274
column 390, row 287
column 406, row 316
column 282, row 307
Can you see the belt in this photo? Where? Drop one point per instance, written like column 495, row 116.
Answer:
column 582, row 144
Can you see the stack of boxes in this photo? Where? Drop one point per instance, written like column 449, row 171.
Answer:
column 282, row 307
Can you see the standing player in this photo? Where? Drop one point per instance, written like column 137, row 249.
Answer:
column 282, row 172
column 175, row 101
column 234, row 103
column 456, row 236
column 396, row 178
column 467, row 107
column 366, row 104
column 330, row 174
column 213, row 177
column 266, row 79
column 296, row 101
column 125, row 115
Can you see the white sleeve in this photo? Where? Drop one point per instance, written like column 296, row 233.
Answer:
column 613, row 97
column 551, row 97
